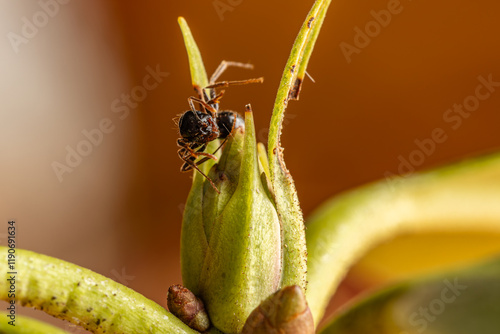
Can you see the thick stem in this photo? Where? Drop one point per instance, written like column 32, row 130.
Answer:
column 81, row 296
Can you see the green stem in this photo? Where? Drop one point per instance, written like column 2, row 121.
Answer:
column 83, row 297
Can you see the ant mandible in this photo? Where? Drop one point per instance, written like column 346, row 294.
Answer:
column 199, row 127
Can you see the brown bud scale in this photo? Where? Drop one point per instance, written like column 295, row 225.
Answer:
column 187, row 307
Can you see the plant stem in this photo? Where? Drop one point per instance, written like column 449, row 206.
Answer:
column 83, row 297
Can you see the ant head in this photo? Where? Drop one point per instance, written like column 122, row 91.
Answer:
column 198, row 127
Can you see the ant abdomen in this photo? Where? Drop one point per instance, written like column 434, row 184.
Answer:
column 228, row 121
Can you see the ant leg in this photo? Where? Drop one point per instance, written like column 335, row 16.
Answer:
column 206, row 155
column 216, row 99
column 187, row 167
column 187, row 152
column 191, row 104
column 185, row 155
column 224, row 65
column 190, row 165
column 208, row 158
column 202, row 161
column 212, row 111
column 189, row 156
column 234, row 83
column 218, row 148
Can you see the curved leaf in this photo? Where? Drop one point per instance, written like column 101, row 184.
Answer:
column 287, row 202
column 461, row 197
column 26, row 325
column 463, row 302
column 198, row 73
column 83, row 297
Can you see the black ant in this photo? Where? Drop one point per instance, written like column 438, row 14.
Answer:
column 199, row 127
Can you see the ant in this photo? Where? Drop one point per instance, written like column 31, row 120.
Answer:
column 199, row 127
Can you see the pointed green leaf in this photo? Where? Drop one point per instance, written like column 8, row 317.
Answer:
column 200, row 80
column 193, row 239
column 287, row 202
column 198, row 73
column 460, row 197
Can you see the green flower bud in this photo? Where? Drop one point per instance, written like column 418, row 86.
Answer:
column 231, row 242
column 241, row 245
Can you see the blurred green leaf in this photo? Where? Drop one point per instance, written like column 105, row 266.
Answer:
column 26, row 325
column 460, row 302
column 461, row 197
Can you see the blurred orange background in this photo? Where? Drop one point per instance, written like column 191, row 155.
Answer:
column 118, row 211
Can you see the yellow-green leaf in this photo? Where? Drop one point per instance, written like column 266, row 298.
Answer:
column 25, row 325
column 461, row 197
column 459, row 302
column 283, row 188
